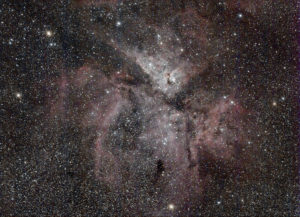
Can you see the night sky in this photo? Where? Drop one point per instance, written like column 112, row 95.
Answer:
column 148, row 108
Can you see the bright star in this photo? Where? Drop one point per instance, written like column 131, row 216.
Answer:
column 18, row 95
column 171, row 206
column 49, row 33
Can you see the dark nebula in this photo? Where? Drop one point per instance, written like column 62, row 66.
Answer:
column 149, row 108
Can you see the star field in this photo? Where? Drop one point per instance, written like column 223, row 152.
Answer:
column 149, row 108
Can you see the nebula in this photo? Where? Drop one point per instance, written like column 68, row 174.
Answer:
column 149, row 108
column 164, row 139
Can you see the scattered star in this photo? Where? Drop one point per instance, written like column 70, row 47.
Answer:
column 240, row 15
column 49, row 33
column 118, row 23
column 171, row 206
column 18, row 95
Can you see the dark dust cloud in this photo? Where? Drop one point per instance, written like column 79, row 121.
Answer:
column 148, row 108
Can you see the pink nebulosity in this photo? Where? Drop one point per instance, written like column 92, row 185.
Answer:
column 146, row 149
column 182, row 140
column 221, row 130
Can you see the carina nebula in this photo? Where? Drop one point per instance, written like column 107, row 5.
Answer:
column 151, row 108
column 152, row 150
column 163, row 136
